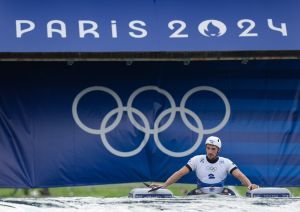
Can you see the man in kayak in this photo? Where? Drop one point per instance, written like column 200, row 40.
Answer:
column 211, row 170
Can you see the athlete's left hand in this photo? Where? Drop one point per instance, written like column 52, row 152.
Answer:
column 253, row 186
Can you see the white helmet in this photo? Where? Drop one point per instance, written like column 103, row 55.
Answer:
column 213, row 140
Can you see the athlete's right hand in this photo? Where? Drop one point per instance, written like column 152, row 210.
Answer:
column 152, row 185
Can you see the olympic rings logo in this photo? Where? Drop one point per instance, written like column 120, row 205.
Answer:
column 211, row 168
column 182, row 110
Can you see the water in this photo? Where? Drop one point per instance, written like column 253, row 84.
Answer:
column 124, row 204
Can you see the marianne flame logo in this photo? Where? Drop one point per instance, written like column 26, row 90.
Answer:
column 212, row 28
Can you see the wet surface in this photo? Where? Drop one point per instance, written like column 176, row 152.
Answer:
column 70, row 204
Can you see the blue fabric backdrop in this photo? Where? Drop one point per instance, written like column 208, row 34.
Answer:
column 110, row 122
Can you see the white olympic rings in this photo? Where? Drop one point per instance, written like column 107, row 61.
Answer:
column 146, row 128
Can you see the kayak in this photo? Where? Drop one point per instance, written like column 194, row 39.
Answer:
column 268, row 192
column 144, row 193
column 212, row 191
column 166, row 193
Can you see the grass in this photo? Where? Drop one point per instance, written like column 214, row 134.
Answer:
column 115, row 190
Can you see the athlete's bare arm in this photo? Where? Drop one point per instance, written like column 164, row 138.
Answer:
column 244, row 180
column 174, row 177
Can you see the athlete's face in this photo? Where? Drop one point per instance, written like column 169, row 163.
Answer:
column 211, row 151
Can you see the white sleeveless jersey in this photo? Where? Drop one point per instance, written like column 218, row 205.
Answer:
column 211, row 174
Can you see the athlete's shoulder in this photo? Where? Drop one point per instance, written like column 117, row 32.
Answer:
column 224, row 160
column 198, row 158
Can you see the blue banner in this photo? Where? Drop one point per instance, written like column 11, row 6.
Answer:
column 148, row 25
column 88, row 123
